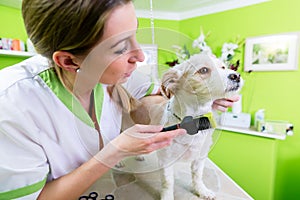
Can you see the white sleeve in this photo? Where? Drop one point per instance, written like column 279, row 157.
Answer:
column 23, row 164
column 140, row 85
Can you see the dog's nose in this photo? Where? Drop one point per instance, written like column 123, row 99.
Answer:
column 234, row 77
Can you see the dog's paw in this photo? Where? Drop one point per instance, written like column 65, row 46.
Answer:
column 121, row 164
column 140, row 158
column 166, row 195
column 205, row 193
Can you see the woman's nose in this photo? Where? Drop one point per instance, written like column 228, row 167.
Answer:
column 141, row 55
column 137, row 55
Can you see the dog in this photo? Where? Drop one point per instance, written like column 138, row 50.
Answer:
column 190, row 89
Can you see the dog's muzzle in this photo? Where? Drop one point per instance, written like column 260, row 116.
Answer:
column 234, row 82
column 234, row 77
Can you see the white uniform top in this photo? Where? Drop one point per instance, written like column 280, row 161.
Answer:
column 44, row 134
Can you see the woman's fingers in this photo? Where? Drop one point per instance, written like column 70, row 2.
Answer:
column 168, row 135
column 223, row 104
column 163, row 139
column 141, row 128
column 218, row 107
column 142, row 139
column 234, row 98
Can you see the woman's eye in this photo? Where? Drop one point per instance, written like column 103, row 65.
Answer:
column 203, row 70
column 121, row 51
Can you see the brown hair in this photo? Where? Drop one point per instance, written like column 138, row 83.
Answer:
column 74, row 26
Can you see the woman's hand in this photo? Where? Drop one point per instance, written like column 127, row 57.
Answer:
column 136, row 140
column 223, row 104
column 144, row 139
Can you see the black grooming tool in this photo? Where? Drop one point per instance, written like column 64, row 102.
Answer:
column 194, row 125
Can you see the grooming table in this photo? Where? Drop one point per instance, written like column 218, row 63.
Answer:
column 146, row 185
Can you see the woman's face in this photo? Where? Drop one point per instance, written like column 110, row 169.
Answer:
column 118, row 48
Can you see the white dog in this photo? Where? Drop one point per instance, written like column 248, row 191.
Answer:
column 191, row 88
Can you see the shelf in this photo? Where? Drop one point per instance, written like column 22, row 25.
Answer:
column 16, row 53
column 251, row 131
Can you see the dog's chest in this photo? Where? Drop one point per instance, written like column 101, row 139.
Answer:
column 191, row 147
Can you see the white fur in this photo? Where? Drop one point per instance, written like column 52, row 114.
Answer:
column 191, row 92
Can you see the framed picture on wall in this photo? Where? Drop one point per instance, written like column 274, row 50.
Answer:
column 272, row 52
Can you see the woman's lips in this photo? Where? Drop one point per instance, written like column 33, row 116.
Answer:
column 126, row 75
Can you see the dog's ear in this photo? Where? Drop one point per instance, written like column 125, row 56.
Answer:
column 169, row 83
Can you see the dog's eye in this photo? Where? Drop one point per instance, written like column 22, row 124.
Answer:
column 203, row 70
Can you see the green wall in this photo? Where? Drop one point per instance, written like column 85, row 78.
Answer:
column 274, row 91
column 245, row 158
column 11, row 24
column 249, row 160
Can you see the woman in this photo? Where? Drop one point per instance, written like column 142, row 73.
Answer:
column 52, row 144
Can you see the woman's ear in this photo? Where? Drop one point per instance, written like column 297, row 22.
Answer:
column 66, row 61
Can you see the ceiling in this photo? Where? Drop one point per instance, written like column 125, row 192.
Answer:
column 174, row 9
column 184, row 9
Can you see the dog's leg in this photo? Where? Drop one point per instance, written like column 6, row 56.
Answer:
column 198, row 185
column 140, row 158
column 197, row 166
column 120, row 164
column 167, row 181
